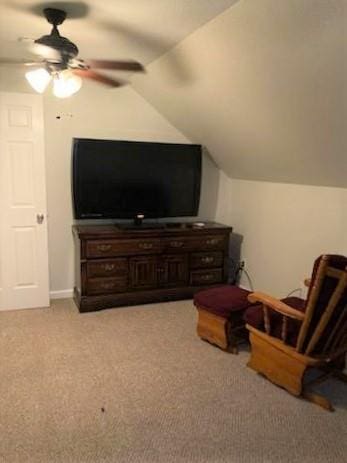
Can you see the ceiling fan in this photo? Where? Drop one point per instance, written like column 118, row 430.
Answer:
column 59, row 62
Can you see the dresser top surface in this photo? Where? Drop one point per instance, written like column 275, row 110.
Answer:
column 162, row 229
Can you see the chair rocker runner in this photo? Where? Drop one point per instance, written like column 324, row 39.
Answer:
column 288, row 341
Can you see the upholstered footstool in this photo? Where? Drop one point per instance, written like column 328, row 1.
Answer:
column 220, row 316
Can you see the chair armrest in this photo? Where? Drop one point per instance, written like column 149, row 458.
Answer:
column 276, row 304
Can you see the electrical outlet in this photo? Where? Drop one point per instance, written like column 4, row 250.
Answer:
column 242, row 264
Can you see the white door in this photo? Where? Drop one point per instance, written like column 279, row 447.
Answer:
column 24, row 281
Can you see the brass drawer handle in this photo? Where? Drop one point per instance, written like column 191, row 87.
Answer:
column 107, row 285
column 206, row 277
column 145, row 245
column 212, row 241
column 104, row 247
column 207, row 260
column 176, row 244
column 109, row 267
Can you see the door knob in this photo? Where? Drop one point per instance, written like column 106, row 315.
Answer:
column 40, row 218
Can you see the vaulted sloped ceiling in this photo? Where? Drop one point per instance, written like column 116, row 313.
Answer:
column 264, row 87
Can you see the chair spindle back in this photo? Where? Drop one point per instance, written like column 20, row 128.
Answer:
column 324, row 329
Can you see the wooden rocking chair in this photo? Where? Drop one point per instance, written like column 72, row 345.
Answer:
column 287, row 342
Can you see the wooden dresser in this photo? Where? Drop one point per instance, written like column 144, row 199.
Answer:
column 116, row 266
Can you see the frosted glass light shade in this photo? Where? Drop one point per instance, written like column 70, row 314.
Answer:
column 66, row 84
column 38, row 79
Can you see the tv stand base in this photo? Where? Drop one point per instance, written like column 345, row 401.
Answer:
column 93, row 303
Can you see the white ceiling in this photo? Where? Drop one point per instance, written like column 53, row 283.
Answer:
column 110, row 29
column 261, row 84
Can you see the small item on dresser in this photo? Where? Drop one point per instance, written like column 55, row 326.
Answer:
column 198, row 224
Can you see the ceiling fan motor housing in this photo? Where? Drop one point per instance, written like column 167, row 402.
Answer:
column 63, row 45
column 54, row 40
column 54, row 16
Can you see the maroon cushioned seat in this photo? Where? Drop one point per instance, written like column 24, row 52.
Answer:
column 222, row 300
column 254, row 316
column 220, row 316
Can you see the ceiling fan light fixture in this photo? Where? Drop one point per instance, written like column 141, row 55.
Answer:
column 65, row 84
column 38, row 79
column 58, row 56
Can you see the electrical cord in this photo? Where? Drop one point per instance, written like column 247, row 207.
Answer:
column 294, row 291
column 237, row 275
column 233, row 270
column 239, row 268
column 250, row 283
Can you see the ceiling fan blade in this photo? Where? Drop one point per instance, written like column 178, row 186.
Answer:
column 133, row 66
column 89, row 74
column 25, row 40
column 14, row 62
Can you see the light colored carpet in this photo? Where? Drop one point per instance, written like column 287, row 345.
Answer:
column 137, row 385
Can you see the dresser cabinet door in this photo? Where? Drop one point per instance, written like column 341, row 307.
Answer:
column 143, row 272
column 173, row 270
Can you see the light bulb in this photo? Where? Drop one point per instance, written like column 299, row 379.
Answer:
column 38, row 79
column 65, row 84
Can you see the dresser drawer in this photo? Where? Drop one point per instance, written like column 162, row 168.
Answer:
column 109, row 267
column 206, row 277
column 211, row 242
column 106, row 285
column 206, row 259
column 195, row 243
column 103, row 248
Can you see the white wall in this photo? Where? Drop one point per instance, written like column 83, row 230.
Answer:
column 100, row 113
column 263, row 86
column 284, row 227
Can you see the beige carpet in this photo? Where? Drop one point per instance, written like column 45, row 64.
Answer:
column 137, row 385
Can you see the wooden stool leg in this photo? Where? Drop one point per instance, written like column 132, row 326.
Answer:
column 237, row 334
column 233, row 349
column 213, row 328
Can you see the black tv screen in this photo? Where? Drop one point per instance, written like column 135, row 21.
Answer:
column 121, row 179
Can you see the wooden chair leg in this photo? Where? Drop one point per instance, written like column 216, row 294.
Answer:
column 287, row 373
column 308, row 394
column 318, row 400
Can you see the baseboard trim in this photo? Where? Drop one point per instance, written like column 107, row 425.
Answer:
column 61, row 294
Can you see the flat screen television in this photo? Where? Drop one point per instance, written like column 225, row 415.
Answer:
column 122, row 179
